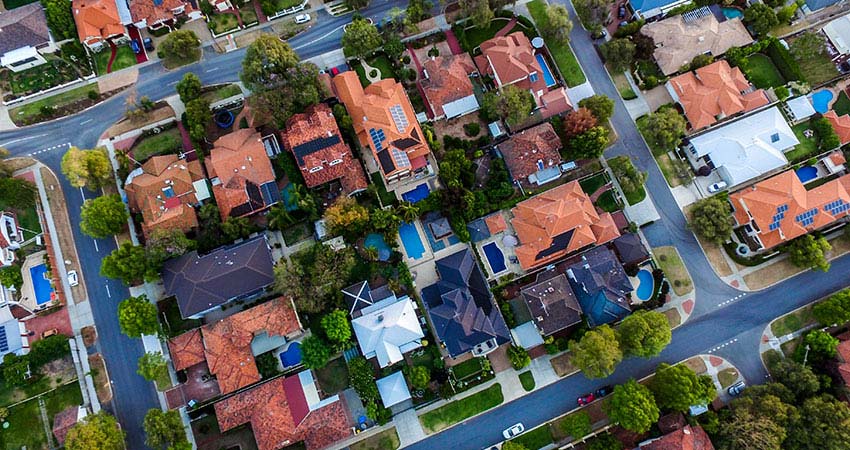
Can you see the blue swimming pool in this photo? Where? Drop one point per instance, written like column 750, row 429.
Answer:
column 821, row 99
column 291, row 356
column 645, row 285
column 547, row 74
column 417, row 194
column 411, row 240
column 732, row 13
column 495, row 257
column 376, row 241
column 41, row 285
column 807, row 173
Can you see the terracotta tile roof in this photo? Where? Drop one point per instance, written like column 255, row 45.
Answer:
column 382, row 111
column 778, row 206
column 448, row 80
column 841, row 125
column 686, row 438
column 554, row 102
column 146, row 193
column 314, row 139
column 496, row 223
column 844, row 351
column 187, row 349
column 837, row 157
column 227, row 343
column 558, row 222
column 63, row 421
column 96, row 20
column 23, row 26
column 237, row 162
column 155, row 11
column 273, row 410
column 510, row 59
column 526, row 150
column 714, row 92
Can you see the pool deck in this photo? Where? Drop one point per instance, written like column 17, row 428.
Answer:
column 28, row 299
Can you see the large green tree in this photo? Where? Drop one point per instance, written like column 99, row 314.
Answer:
column 756, row 423
column 809, row 251
column 678, row 387
column 619, row 53
column 711, row 219
column 644, row 333
column 129, row 263
column 17, row 192
column 597, row 353
column 588, row 145
column 664, row 129
column 799, row 379
column 762, row 18
column 360, row 39
column 180, row 46
column 137, row 316
column 266, row 60
column 337, row 328
column 87, row 168
column 189, row 87
column 10, row 276
column 59, row 19
column 511, row 103
column 833, row 311
column 314, row 275
column 152, row 366
column 557, row 24
column 103, row 216
column 166, row 243
column 821, row 346
column 315, row 353
column 164, row 429
column 198, row 116
column 478, row 12
column 633, row 407
column 601, row 106
column 96, row 432
column 419, row 377
column 824, row 423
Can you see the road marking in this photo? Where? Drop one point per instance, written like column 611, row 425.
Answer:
column 735, row 298
column 211, row 70
column 44, row 150
column 86, row 121
column 319, row 38
column 82, row 194
column 725, row 344
column 108, row 294
column 22, row 139
column 95, row 245
column 173, row 83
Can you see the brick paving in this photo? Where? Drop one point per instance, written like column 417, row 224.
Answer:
column 58, row 320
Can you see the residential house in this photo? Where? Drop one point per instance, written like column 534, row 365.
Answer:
column 386, row 124
column 630, row 250
column 841, row 125
column 713, row 93
column 556, row 223
column 11, row 238
column 601, row 285
column 388, row 329
column 13, row 334
column 361, row 295
column 286, row 411
column 155, row 14
column 322, row 156
column 166, row 190
column 98, row 21
column 650, row 9
column 551, row 302
column 511, row 60
column 24, row 37
column 746, row 148
column 811, row 6
column 461, row 307
column 838, row 33
column 221, row 5
column 779, row 209
column 686, row 438
column 65, row 420
column 532, row 154
column 680, row 38
column 447, row 88
column 843, row 351
column 241, row 174
column 203, row 283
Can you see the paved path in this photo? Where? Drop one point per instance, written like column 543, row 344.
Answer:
column 507, row 28
column 408, row 427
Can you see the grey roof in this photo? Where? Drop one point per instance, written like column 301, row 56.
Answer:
column 357, row 296
column 601, row 271
column 393, row 389
column 815, row 5
column 23, row 26
column 461, row 305
column 552, row 302
column 630, row 249
column 204, row 282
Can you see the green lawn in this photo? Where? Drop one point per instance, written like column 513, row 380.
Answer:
column 792, row 322
column 380, row 62
column 52, row 73
column 561, row 53
column 727, row 376
column 674, row 270
column 25, row 426
column 463, row 409
column 173, row 63
column 471, row 38
column 623, row 86
column 124, row 57
column 761, row 72
column 248, row 13
column 33, row 110
column 807, row 146
column 172, row 322
column 385, row 440
column 333, row 377
column 817, row 68
column 280, row 5
column 387, row 198
column 221, row 23
column 169, row 141
column 527, row 380
column 590, row 185
column 221, row 93
column 608, row 203
column 27, row 219
column 535, row 439
column 842, row 104
column 622, row 166
column 467, row 368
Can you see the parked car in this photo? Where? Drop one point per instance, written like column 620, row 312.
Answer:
column 302, row 18
column 134, row 45
column 72, row 278
column 148, row 44
column 603, row 391
column 624, row 23
column 621, row 13
column 513, row 431
column 736, row 389
column 599, row 34
column 717, row 187
column 50, row 332
column 586, row 399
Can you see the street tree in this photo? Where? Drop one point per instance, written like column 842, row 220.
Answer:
column 360, row 39
column 478, row 12
column 164, row 429
column 138, row 316
column 128, row 263
column 189, row 87
column 556, row 25
column 103, row 216
column 664, row 129
column 393, row 47
column 267, row 60
column 577, row 425
column 166, row 243
column 644, row 334
column 578, row 121
column 824, row 422
column 180, row 47
column 418, row 10
column 198, row 116
column 152, row 366
column 833, row 311
column 419, row 376
column 592, row 12
column 819, row 345
column 619, row 53
column 761, row 18
column 589, row 144
column 315, row 353
column 601, row 106
column 711, row 220
column 96, row 432
column 799, row 379
column 87, row 168
column 604, row 441
column 633, row 407
column 597, row 353
column 810, row 252
column 678, row 387
column 337, row 328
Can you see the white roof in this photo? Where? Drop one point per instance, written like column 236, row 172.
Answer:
column 801, row 107
column 527, row 336
column 389, row 332
column 393, row 389
column 748, row 147
column 18, row 54
column 202, row 191
column 838, row 32
column 460, row 107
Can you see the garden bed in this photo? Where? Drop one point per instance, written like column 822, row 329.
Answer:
column 380, row 62
column 53, row 73
column 459, row 410
column 167, row 142
column 333, row 377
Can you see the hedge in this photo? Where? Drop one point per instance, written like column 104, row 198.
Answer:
column 785, row 63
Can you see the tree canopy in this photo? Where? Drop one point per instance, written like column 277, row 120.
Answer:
column 59, row 19
column 762, row 18
column 337, row 328
column 711, row 219
column 129, row 263
column 198, row 115
column 315, row 353
column 588, row 145
column 314, row 276
column 478, row 12
column 347, row 217
column 557, row 24
column 189, row 87
column 103, row 216
column 164, row 429
column 96, row 432
column 809, row 251
column 664, row 129
column 266, row 60
column 619, row 53
column 87, row 168
column 360, row 39
column 678, row 387
column 597, row 353
column 180, row 46
column 633, row 407
column 601, row 106
column 644, row 334
column 138, row 316
column 511, row 103
column 152, row 365
column 166, row 243
column 833, row 311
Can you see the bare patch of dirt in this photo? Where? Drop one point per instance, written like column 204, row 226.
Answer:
column 89, row 335
column 125, row 125
column 101, row 379
column 563, row 365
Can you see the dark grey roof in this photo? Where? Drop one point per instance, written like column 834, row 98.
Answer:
column 386, row 160
column 600, row 271
column 552, row 302
column 228, row 273
column 630, row 249
column 461, row 306
column 559, row 243
column 478, row 230
column 313, row 146
column 358, row 296
column 23, row 26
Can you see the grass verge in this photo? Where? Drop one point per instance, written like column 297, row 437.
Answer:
column 561, row 53
column 527, row 380
column 456, row 411
column 675, row 271
column 385, row 440
column 792, row 322
column 534, row 439
column 727, row 376
column 33, row 110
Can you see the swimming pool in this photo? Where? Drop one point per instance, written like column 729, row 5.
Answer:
column 40, row 284
column 495, row 257
column 821, row 99
column 807, row 173
column 291, row 356
column 645, row 285
column 547, row 74
column 376, row 241
column 732, row 13
column 416, row 195
column 411, row 240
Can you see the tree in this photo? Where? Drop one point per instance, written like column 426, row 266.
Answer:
column 393, row 47
column 59, row 19
column 180, row 46
column 827, row 138
column 589, row 144
column 347, row 216
column 644, row 334
column 87, row 168
column 103, row 217
column 407, row 211
column 578, row 121
column 823, row 423
column 762, row 18
column 664, row 128
column 518, row 356
column 336, row 328
column 597, row 353
column 236, row 228
column 166, row 243
column 633, row 407
column 478, row 12
column 592, row 12
column 313, row 275
column 189, row 88
column 807, row 45
column 418, row 10
column 10, row 276
column 128, row 263
column 799, row 379
column 360, row 39
column 287, row 94
column 700, row 61
column 16, row 369
column 385, row 220
column 96, row 432
column 17, row 192
column 678, row 387
column 267, row 60
column 809, row 251
column 756, row 423
column 556, row 25
column 833, row 311
column 315, row 353
column 511, row 103
column 198, row 115
column 48, row 349
column 164, row 429
column 601, row 106
column 821, row 345
column 577, row 425
column 604, row 441
column 419, row 377
column 362, row 379
column 511, row 445
column 137, row 316
column 782, row 92
column 710, row 218
column 786, row 13
column 619, row 53
column 152, row 365
column 357, row 4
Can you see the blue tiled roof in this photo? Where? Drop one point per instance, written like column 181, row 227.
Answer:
column 646, row 5
column 815, row 5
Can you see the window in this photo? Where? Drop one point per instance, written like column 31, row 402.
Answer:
column 774, row 137
column 533, row 77
column 335, row 162
column 315, row 169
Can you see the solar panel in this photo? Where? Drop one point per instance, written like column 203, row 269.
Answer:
column 399, row 118
column 782, row 208
column 773, row 226
column 4, row 344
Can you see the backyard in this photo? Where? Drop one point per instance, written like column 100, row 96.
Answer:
column 817, row 68
column 124, row 57
column 670, row 262
column 761, row 71
column 842, row 104
column 333, row 377
column 167, row 142
column 590, row 184
column 25, row 428
column 472, row 37
column 807, row 147
column 27, row 219
column 53, row 73
column 458, row 410
column 26, row 114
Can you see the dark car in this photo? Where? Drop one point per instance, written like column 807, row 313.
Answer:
column 148, row 44
column 621, row 13
column 601, row 33
column 134, row 45
column 603, row 391
column 586, row 399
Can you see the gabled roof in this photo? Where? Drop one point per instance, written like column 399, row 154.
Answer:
column 531, row 150
column 204, row 282
column 242, row 175
column 841, row 125
column 23, row 26
column 187, row 349
column 387, row 330
column 714, row 92
column 322, row 156
column 552, row 303
column 96, row 20
column 687, row 438
column 448, row 82
column 630, row 249
column 558, row 222
column 154, row 11
column 601, row 285
column 510, row 59
column 165, row 192
column 64, row 420
column 461, row 305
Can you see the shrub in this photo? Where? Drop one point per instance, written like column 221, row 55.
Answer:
column 93, row 95
column 518, row 356
column 472, row 129
column 785, row 63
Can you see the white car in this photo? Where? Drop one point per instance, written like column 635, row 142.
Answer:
column 717, row 187
column 513, row 431
column 302, row 18
column 72, row 278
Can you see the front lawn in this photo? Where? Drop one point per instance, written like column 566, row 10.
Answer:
column 222, row 92
column 674, row 270
column 842, row 104
column 467, row 369
column 456, row 411
column 527, row 380
column 761, row 72
column 535, row 439
column 727, row 376
column 385, row 440
column 221, row 23
column 31, row 111
column 561, row 53
column 124, row 57
column 248, row 13
column 807, row 147
column 591, row 184
column 172, row 321
column 379, row 62
column 623, row 87
column 792, row 322
column 167, row 142
column 626, row 174
column 333, row 377
column 53, row 73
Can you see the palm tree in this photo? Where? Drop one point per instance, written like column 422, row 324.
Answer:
column 408, row 211
column 304, row 199
column 279, row 217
